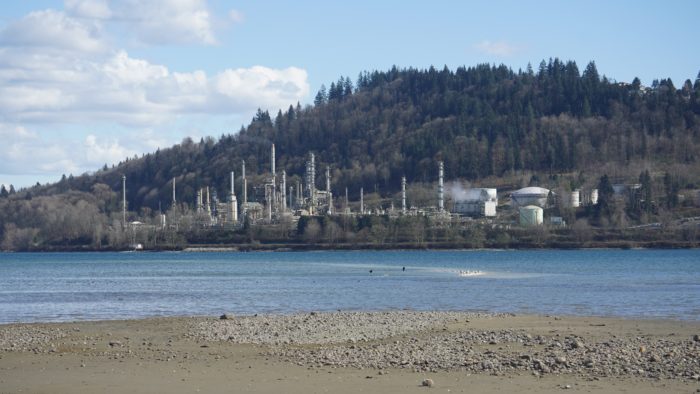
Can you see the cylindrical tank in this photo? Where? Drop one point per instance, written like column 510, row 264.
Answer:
column 575, row 199
column 531, row 215
column 530, row 196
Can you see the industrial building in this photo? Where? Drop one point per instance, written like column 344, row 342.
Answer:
column 478, row 202
column 273, row 201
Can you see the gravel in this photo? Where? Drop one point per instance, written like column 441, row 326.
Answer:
column 324, row 328
column 23, row 338
column 421, row 342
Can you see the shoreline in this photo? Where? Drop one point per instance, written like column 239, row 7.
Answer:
column 384, row 351
column 274, row 247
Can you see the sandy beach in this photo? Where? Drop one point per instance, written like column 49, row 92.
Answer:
column 350, row 352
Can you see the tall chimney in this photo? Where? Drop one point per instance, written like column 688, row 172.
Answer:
column 312, row 180
column 124, row 200
column 245, row 184
column 441, row 201
column 328, row 179
column 233, row 203
column 208, row 203
column 272, row 162
column 362, row 201
column 403, row 195
column 284, row 191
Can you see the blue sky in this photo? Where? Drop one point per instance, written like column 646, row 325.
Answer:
column 88, row 82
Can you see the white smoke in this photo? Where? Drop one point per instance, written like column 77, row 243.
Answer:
column 463, row 192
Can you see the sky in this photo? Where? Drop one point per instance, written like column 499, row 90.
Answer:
column 84, row 83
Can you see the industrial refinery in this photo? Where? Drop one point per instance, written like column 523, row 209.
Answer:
column 277, row 201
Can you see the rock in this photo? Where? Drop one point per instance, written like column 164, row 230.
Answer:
column 642, row 349
column 696, row 338
column 115, row 344
column 226, row 316
column 577, row 344
column 427, row 383
column 560, row 360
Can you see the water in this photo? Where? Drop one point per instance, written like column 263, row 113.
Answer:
column 88, row 286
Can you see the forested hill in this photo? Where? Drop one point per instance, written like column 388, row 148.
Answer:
column 482, row 121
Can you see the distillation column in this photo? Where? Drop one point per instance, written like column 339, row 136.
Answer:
column 441, row 201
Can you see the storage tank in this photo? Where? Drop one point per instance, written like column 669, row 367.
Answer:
column 594, row 196
column 572, row 199
column 531, row 215
column 530, row 196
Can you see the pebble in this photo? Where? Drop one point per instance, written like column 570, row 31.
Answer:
column 427, row 383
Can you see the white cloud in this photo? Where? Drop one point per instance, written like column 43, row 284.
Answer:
column 25, row 152
column 166, row 21
column 93, row 9
column 497, row 48
column 60, row 70
column 98, row 153
column 54, row 30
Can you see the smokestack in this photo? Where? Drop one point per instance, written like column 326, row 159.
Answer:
column 312, row 175
column 328, row 179
column 403, row 195
column 233, row 204
column 273, row 160
column 245, row 184
column 124, row 200
column 208, row 202
column 291, row 194
column 284, row 191
column 362, row 201
column 313, row 184
column 441, row 201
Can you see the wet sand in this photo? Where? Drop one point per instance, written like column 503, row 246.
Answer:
column 353, row 352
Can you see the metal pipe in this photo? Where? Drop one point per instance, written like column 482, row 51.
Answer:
column 403, row 195
column 441, row 201
column 245, row 185
column 362, row 201
column 124, row 200
column 284, row 191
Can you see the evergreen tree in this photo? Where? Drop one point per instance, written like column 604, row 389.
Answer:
column 3, row 192
column 321, row 96
column 606, row 195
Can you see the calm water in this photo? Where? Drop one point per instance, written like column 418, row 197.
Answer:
column 79, row 286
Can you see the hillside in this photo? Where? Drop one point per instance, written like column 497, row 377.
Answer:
column 485, row 122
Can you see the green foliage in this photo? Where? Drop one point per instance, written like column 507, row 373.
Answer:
column 484, row 121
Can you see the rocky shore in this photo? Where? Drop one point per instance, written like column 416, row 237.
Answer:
column 398, row 351
column 438, row 341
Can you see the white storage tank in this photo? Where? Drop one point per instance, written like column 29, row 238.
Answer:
column 531, row 215
column 571, row 199
column 530, row 196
